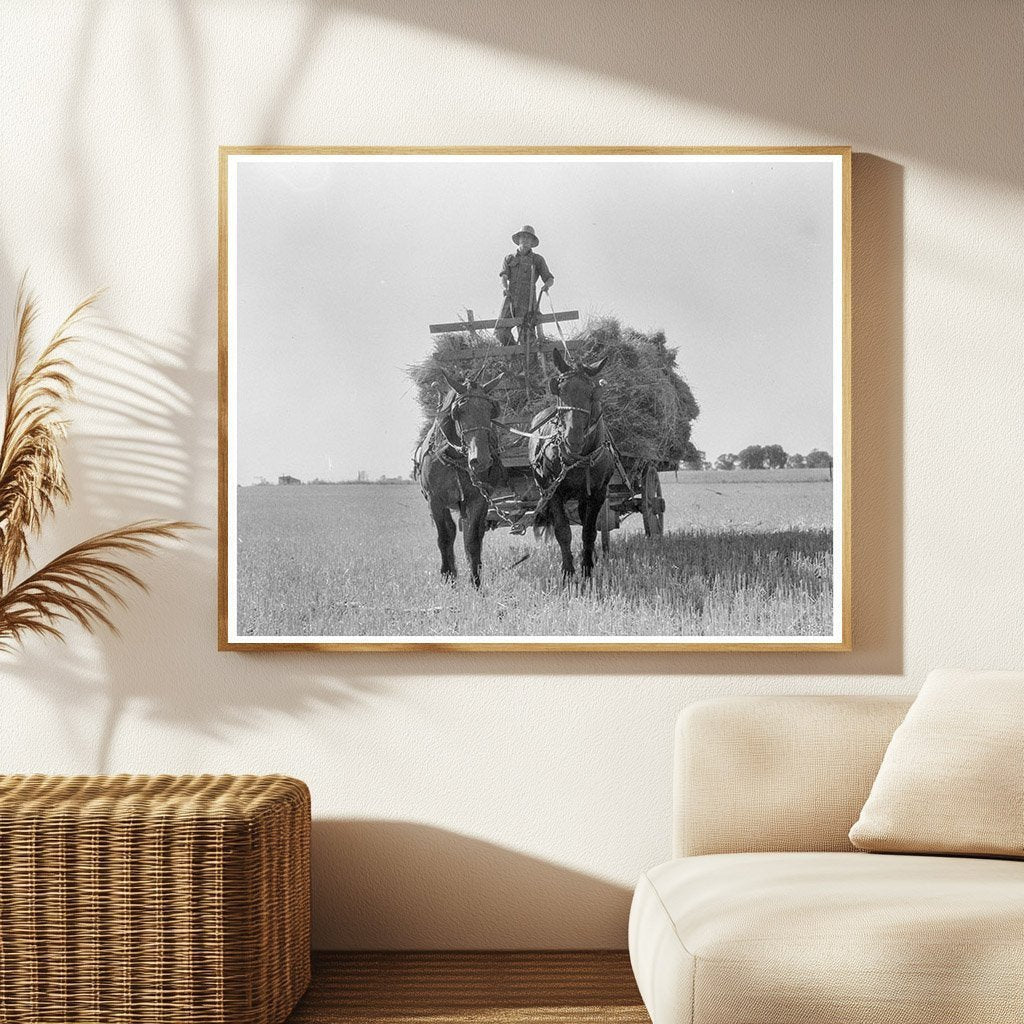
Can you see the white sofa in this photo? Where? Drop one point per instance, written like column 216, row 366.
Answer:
column 768, row 915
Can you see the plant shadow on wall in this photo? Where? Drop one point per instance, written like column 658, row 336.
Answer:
column 147, row 441
column 134, row 451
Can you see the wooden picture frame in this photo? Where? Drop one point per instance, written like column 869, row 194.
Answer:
column 273, row 229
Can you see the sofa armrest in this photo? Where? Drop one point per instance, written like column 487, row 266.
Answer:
column 777, row 773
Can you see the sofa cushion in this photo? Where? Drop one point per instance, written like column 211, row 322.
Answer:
column 830, row 938
column 777, row 772
column 950, row 780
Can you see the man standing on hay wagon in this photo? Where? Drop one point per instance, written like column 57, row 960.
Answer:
column 519, row 273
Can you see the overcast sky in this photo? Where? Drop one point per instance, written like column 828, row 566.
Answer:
column 342, row 265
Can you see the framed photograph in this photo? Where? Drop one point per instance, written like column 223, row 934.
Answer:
column 562, row 398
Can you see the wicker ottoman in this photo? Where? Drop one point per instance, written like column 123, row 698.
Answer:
column 144, row 899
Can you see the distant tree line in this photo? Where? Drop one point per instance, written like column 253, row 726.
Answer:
column 773, row 456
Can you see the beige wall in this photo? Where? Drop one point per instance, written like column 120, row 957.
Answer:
column 504, row 800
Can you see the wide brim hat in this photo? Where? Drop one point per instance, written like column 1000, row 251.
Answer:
column 526, row 230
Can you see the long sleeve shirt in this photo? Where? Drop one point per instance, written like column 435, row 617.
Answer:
column 521, row 270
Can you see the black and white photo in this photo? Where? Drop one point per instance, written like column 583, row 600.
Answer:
column 558, row 398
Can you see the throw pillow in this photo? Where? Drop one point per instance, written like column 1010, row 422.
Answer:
column 951, row 780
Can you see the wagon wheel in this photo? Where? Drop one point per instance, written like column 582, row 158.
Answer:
column 652, row 504
column 604, row 522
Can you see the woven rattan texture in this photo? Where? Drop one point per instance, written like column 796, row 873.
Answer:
column 144, row 899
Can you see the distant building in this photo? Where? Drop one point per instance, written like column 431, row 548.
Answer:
column 288, row 480
column 362, row 476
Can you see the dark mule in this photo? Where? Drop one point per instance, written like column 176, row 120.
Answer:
column 570, row 448
column 455, row 464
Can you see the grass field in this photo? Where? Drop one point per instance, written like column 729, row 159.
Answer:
column 744, row 554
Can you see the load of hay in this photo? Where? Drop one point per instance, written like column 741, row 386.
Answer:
column 647, row 404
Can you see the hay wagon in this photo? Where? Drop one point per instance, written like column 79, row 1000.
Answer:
column 635, row 486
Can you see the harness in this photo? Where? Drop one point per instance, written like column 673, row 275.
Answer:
column 459, row 461
column 583, row 462
column 567, row 461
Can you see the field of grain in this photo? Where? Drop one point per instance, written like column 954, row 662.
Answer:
column 742, row 555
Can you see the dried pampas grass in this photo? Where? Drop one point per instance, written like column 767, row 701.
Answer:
column 82, row 584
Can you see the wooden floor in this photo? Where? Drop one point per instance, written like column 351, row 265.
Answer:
column 466, row 988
